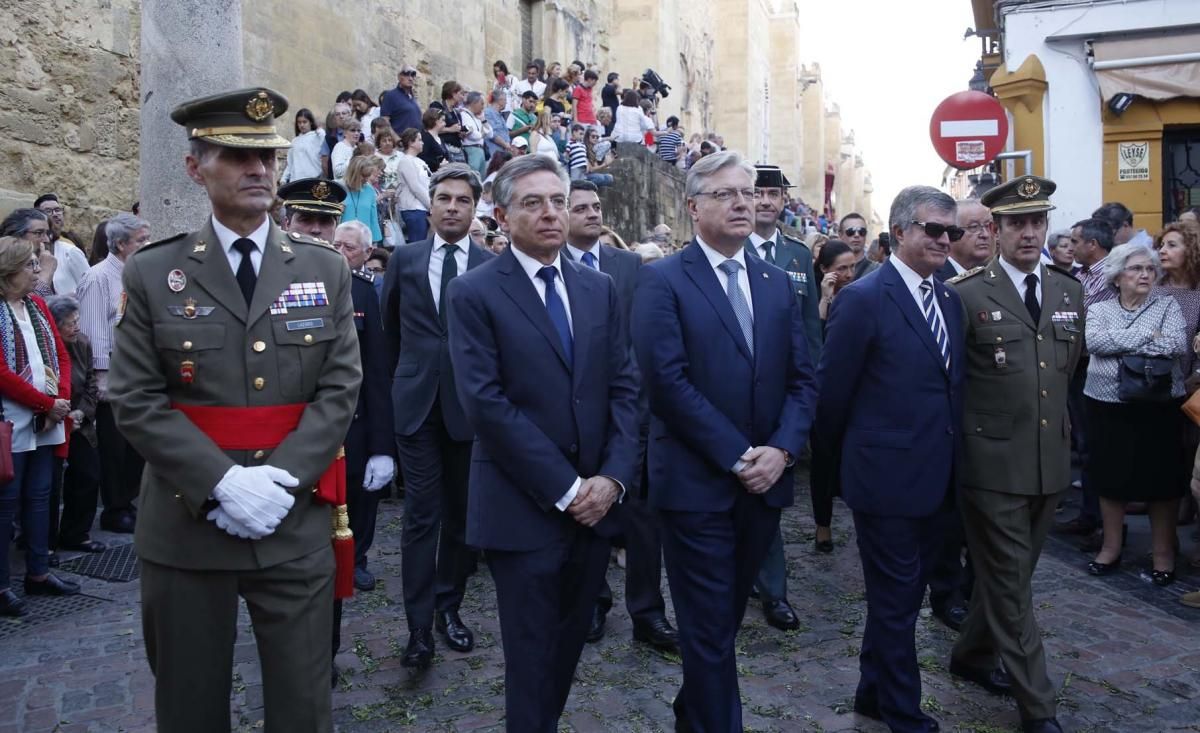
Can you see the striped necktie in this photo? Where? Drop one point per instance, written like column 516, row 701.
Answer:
column 935, row 322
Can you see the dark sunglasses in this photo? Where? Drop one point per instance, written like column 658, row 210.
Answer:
column 856, row 231
column 937, row 230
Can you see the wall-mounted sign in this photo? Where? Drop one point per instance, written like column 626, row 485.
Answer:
column 1133, row 161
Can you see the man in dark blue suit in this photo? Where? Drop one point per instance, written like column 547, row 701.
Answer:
column 542, row 366
column 773, row 247
column 722, row 350
column 643, row 542
column 432, row 434
column 891, row 378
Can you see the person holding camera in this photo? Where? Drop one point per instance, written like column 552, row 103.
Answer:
column 1137, row 343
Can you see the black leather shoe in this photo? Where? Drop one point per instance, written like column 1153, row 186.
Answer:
column 85, row 546
column 658, row 633
column 458, row 637
column 122, row 523
column 364, row 580
column 780, row 615
column 870, row 709
column 1161, row 578
column 1041, row 725
column 596, row 629
column 10, row 605
column 823, row 546
column 419, row 652
column 952, row 615
column 51, row 586
column 1103, row 568
column 1077, row 526
column 994, row 680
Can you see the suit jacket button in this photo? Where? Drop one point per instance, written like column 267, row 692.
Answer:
column 445, row 339
column 949, row 431
column 1044, row 423
column 259, row 346
column 1042, row 364
column 979, row 430
column 574, row 448
column 1044, row 393
column 1040, row 337
column 259, row 382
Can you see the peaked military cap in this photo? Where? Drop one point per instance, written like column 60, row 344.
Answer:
column 239, row 119
column 314, row 195
column 770, row 176
column 1021, row 195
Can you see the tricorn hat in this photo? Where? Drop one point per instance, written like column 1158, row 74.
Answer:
column 314, row 195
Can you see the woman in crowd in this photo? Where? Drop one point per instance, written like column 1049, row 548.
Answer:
column 556, row 98
column 1178, row 247
column 597, row 166
column 412, row 188
column 390, row 154
column 631, row 124
column 339, row 159
column 498, row 159
column 362, row 177
column 1134, row 450
column 79, row 486
column 99, row 248
column 478, row 231
column 503, row 86
column 453, row 95
column 815, row 241
column 33, row 226
column 611, row 238
column 834, row 270
column 365, row 109
column 304, row 157
column 433, row 152
column 553, row 71
column 1062, row 251
column 35, row 387
column 541, row 140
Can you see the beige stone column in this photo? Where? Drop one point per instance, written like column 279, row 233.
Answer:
column 189, row 49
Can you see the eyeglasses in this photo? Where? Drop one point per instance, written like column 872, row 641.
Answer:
column 1140, row 269
column 52, row 209
column 855, row 231
column 725, row 195
column 936, row 230
column 532, row 204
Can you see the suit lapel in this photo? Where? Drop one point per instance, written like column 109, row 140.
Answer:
column 1005, row 293
column 695, row 264
column 580, row 293
column 896, row 289
column 214, row 274
column 516, row 284
column 274, row 275
column 760, row 295
column 422, row 277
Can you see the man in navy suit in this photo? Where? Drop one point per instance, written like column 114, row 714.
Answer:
column 721, row 346
column 542, row 366
column 891, row 379
column 643, row 543
column 432, row 433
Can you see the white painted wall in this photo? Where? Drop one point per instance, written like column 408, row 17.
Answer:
column 1074, row 134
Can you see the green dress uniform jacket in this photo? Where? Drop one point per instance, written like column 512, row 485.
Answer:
column 1017, row 436
column 187, row 336
column 796, row 260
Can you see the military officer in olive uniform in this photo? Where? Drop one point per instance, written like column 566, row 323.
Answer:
column 1023, row 337
column 791, row 256
column 235, row 372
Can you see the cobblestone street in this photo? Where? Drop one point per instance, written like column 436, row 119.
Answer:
column 1126, row 655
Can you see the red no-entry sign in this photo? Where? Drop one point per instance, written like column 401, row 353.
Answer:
column 969, row 129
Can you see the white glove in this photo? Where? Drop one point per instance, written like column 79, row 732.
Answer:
column 255, row 497
column 221, row 517
column 380, row 471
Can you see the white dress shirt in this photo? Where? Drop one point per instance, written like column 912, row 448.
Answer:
column 758, row 243
column 1018, row 279
column 227, row 237
column 958, row 269
column 913, row 281
column 715, row 259
column 531, row 268
column 436, row 260
column 577, row 254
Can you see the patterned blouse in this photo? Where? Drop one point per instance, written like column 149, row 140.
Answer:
column 1112, row 331
column 1189, row 303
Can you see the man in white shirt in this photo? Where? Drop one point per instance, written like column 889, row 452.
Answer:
column 530, row 83
column 977, row 244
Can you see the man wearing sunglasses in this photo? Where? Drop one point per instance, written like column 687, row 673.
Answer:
column 853, row 231
column 1025, row 325
column 890, row 386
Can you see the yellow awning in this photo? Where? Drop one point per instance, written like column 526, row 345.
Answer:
column 1157, row 68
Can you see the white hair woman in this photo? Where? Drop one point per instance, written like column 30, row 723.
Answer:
column 1133, row 391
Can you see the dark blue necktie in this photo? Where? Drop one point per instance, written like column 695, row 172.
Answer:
column 558, row 313
column 589, row 259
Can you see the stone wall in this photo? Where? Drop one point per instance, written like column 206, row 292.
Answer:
column 647, row 192
column 69, row 106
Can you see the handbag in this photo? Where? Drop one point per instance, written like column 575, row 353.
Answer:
column 1144, row 378
column 6, row 456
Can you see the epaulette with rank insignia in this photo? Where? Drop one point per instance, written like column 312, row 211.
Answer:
column 367, row 276
column 172, row 238
column 964, row 275
column 1060, row 270
column 305, row 239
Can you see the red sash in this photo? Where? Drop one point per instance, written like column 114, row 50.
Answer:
column 264, row 428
